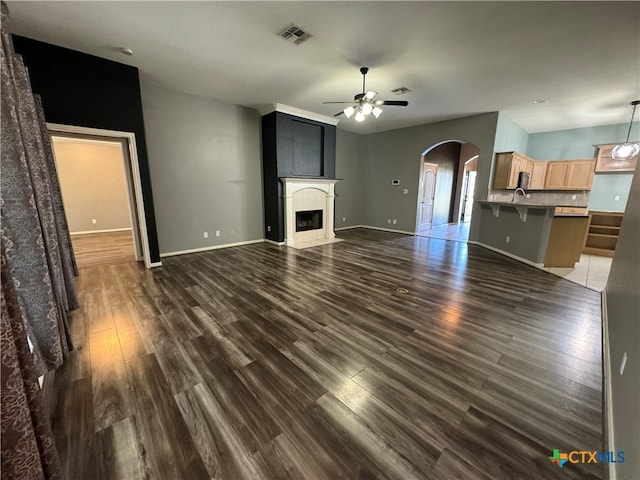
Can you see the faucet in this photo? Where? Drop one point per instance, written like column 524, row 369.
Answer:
column 515, row 192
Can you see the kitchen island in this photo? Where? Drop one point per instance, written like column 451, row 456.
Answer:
column 538, row 234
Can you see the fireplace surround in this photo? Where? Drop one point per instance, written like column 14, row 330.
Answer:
column 309, row 196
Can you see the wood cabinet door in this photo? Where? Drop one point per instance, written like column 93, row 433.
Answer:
column 580, row 174
column 518, row 164
column 538, row 173
column 556, row 178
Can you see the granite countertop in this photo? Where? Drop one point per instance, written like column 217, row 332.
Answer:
column 517, row 204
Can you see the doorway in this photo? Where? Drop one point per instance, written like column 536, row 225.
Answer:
column 427, row 195
column 468, row 189
column 125, row 142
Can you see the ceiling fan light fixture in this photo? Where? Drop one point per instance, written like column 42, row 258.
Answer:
column 376, row 112
column 370, row 95
column 627, row 150
column 348, row 111
column 367, row 108
column 359, row 116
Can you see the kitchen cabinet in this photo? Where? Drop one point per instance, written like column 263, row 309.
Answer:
column 538, row 174
column 507, row 167
column 571, row 211
column 566, row 240
column 606, row 163
column 544, row 175
column 580, row 174
column 570, row 175
column 602, row 236
column 556, row 177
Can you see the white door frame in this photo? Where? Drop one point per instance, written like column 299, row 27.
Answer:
column 130, row 140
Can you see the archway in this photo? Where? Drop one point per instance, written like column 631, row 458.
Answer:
column 450, row 163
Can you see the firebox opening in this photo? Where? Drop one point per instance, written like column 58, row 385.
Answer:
column 308, row 220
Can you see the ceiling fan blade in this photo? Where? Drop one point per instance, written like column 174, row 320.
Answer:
column 325, row 103
column 339, row 113
column 397, row 103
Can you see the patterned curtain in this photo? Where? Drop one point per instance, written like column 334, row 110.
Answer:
column 37, row 259
column 28, row 450
column 38, row 268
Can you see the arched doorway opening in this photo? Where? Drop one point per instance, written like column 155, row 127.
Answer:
column 446, row 187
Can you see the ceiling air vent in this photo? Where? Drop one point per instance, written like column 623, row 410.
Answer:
column 400, row 91
column 294, row 34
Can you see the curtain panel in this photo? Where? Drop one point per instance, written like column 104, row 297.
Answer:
column 38, row 268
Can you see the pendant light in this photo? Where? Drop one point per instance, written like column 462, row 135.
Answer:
column 626, row 150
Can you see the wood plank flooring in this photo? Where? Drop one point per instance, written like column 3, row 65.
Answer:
column 106, row 248
column 382, row 356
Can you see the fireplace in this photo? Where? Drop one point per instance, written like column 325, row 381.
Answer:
column 308, row 220
column 308, row 211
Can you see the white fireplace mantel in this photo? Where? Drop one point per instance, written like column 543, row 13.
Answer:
column 306, row 193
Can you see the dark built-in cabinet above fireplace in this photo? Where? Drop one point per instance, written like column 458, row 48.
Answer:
column 294, row 144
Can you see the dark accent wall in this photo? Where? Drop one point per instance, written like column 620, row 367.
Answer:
column 292, row 147
column 87, row 91
column 447, row 157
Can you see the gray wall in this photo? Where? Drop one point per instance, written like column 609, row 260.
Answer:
column 623, row 307
column 581, row 143
column 351, row 152
column 397, row 154
column 93, row 184
column 527, row 240
column 204, row 157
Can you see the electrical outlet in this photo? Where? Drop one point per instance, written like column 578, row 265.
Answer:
column 93, row 220
column 395, row 221
column 528, row 195
column 268, row 228
column 217, row 233
column 344, row 219
column 508, row 239
column 615, row 199
column 389, row 221
column 206, row 234
column 405, row 191
column 573, row 197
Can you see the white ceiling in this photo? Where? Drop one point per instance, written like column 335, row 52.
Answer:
column 458, row 58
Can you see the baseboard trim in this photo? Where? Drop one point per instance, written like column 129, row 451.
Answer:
column 277, row 244
column 607, row 394
column 155, row 264
column 349, row 228
column 108, row 230
column 212, row 247
column 506, row 254
column 386, row 229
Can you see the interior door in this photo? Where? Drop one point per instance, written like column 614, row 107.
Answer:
column 429, row 172
column 468, row 196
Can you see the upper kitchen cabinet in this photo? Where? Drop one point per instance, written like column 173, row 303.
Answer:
column 570, row 175
column 538, row 175
column 606, row 163
column 507, row 167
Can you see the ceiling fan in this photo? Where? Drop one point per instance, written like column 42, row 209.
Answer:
column 365, row 103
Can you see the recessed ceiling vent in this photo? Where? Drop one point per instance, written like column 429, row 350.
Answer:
column 295, row 34
column 401, row 91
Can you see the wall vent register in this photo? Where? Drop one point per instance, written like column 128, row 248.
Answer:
column 308, row 220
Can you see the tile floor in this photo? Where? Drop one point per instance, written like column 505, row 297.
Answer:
column 591, row 271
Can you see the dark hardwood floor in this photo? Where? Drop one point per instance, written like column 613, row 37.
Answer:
column 383, row 356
